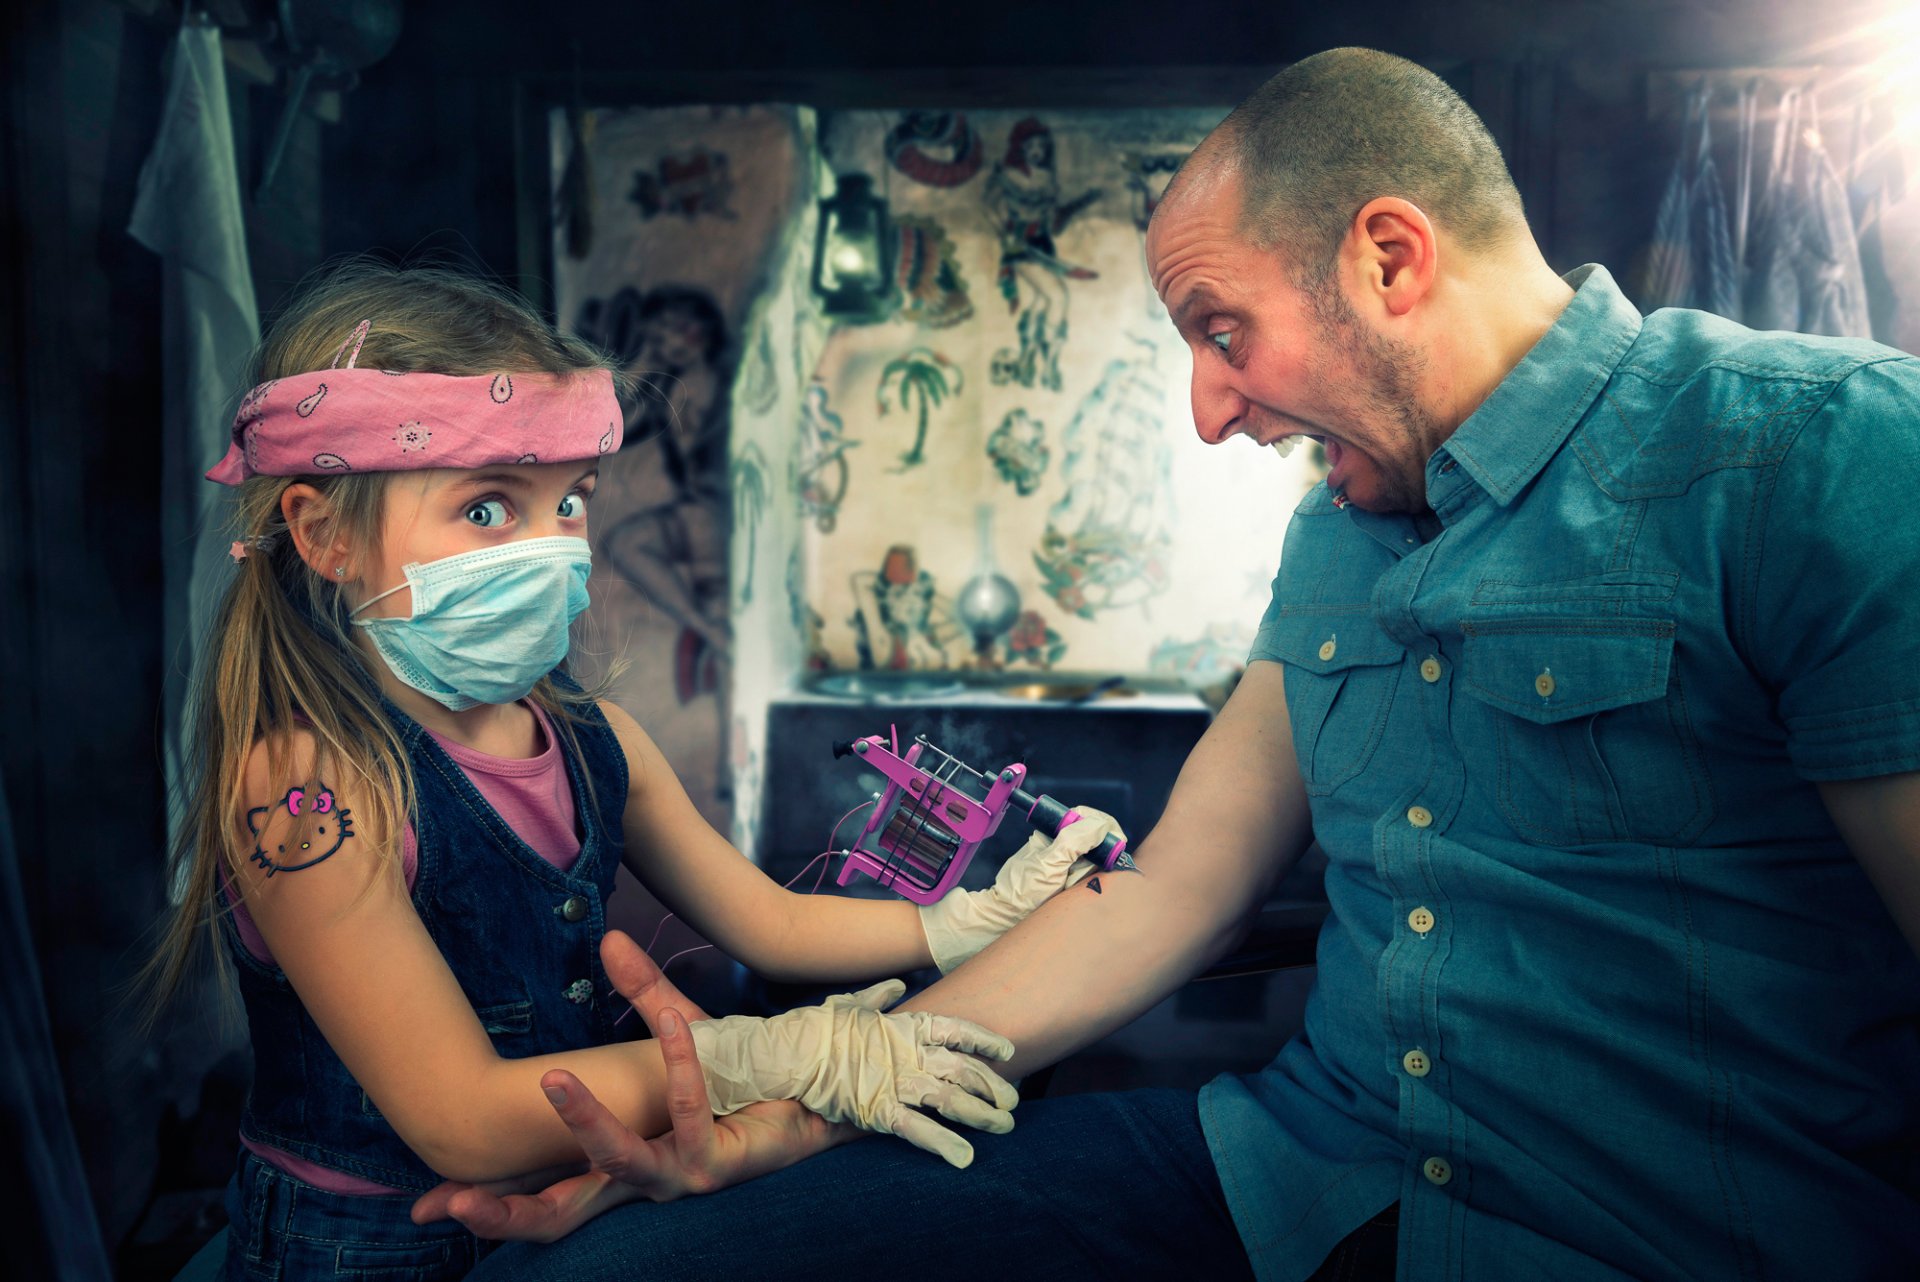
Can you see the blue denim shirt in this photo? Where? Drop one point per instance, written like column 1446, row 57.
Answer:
column 1603, row 994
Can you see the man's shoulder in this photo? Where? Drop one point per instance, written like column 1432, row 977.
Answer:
column 1678, row 345
column 1697, row 394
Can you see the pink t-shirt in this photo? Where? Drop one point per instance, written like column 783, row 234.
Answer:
column 535, row 798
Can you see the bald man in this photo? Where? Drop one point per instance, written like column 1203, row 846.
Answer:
column 1594, row 666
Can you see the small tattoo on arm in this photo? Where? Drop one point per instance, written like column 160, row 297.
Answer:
column 1093, row 884
column 334, row 824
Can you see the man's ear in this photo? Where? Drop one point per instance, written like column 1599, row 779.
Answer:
column 309, row 517
column 1393, row 254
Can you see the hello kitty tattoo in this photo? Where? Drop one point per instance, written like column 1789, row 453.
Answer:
column 334, row 824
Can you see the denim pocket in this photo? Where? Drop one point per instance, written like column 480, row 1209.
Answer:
column 506, row 1017
column 399, row 1262
column 1580, row 697
column 1342, row 673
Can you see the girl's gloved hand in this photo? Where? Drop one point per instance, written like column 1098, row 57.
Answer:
column 849, row 1061
column 965, row 921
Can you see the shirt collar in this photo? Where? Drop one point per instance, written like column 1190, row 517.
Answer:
column 1504, row 443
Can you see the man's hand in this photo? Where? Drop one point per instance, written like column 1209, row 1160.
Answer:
column 699, row 1155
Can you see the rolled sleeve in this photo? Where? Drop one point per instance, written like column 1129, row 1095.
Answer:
column 1837, row 598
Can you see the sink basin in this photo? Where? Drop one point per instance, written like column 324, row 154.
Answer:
column 1066, row 691
column 878, row 687
column 1033, row 687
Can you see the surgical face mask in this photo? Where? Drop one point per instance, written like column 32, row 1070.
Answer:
column 486, row 625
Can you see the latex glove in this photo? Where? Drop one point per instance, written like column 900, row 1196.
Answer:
column 965, row 921
column 849, row 1061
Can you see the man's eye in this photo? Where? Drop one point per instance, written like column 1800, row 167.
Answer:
column 574, row 506
column 1222, row 340
column 488, row 513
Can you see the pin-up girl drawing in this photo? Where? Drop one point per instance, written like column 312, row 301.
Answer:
column 1023, row 195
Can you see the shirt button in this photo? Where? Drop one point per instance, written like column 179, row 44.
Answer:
column 580, row 992
column 573, row 909
column 1437, row 1170
column 1420, row 816
column 1416, row 1063
column 1430, row 669
column 1327, row 648
column 1544, row 684
column 1421, row 920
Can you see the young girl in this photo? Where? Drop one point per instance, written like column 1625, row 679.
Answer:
column 407, row 817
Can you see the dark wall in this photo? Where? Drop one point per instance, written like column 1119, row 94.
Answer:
column 427, row 157
column 81, row 655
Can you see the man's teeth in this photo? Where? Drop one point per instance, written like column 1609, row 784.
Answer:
column 1284, row 446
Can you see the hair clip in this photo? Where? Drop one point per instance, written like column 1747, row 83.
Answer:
column 357, row 337
column 257, row 543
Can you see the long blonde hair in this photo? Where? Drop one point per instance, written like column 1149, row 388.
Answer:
column 280, row 655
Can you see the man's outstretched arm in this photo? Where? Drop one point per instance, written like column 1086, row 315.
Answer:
column 1099, row 954
column 1879, row 819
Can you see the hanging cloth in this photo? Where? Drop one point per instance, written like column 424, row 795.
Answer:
column 1692, row 263
column 1772, row 295
column 187, row 210
column 1876, row 181
column 1833, row 291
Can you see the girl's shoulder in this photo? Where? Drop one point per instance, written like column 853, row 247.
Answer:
column 300, row 806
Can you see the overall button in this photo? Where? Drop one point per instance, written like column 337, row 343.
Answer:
column 1416, row 1063
column 1429, row 669
column 1327, row 648
column 1437, row 1170
column 1420, row 816
column 1543, row 684
column 573, row 909
column 1421, row 920
column 579, row 992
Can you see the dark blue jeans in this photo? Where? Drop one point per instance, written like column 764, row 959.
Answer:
column 1085, row 1186
column 281, row 1229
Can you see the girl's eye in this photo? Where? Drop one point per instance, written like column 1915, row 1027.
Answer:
column 1222, row 340
column 488, row 513
column 573, row 507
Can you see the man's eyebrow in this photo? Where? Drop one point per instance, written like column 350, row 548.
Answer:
column 1200, row 300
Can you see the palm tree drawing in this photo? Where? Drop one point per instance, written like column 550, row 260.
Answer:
column 924, row 378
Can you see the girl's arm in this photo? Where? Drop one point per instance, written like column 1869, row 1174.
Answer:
column 344, row 930
column 727, row 898
column 346, row 934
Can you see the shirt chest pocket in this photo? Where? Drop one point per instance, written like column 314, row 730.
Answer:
column 1584, row 709
column 1342, row 672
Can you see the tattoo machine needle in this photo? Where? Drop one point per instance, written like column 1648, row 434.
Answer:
column 935, row 812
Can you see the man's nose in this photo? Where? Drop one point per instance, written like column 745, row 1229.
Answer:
column 1218, row 410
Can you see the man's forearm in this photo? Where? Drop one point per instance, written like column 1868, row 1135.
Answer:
column 1099, row 954
column 1089, row 960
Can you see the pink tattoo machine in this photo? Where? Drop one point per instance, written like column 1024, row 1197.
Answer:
column 928, row 822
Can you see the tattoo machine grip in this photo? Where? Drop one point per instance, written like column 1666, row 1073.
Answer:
column 1051, row 818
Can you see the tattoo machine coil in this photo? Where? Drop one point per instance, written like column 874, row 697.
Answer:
column 935, row 812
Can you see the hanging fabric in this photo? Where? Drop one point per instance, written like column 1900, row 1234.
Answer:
column 1692, row 262
column 1748, row 113
column 1833, row 292
column 187, row 210
column 1773, row 280
column 1876, row 180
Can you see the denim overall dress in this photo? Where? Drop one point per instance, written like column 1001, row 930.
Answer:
column 522, row 938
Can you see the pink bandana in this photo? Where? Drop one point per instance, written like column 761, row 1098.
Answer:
column 370, row 420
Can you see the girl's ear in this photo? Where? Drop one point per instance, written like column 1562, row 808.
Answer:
column 309, row 516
